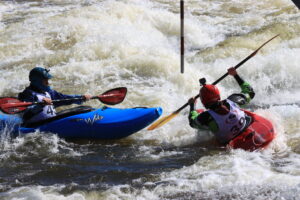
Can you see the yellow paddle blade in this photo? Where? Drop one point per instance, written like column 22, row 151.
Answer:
column 162, row 121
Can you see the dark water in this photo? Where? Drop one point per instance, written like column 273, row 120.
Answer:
column 92, row 46
column 45, row 159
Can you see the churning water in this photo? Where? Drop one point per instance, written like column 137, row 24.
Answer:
column 95, row 45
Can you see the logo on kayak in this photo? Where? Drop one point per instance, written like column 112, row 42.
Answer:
column 90, row 120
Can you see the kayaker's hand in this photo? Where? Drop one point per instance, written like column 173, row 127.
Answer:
column 192, row 101
column 47, row 101
column 232, row 71
column 87, row 97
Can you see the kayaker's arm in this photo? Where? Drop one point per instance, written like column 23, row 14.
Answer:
column 201, row 121
column 247, row 92
column 58, row 96
column 192, row 102
column 27, row 95
column 246, row 88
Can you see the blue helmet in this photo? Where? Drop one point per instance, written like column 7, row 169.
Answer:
column 37, row 75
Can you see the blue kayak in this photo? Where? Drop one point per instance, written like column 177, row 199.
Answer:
column 85, row 122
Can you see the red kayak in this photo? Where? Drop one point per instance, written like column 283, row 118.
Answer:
column 257, row 136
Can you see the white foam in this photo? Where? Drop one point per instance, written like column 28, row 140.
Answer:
column 93, row 46
column 39, row 192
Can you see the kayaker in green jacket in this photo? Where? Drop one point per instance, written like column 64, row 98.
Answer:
column 223, row 117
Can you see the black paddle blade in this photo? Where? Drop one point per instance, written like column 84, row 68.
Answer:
column 11, row 105
column 297, row 3
column 113, row 96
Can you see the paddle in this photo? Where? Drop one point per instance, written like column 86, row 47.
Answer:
column 297, row 3
column 166, row 119
column 12, row 105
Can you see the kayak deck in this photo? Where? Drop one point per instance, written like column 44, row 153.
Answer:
column 257, row 136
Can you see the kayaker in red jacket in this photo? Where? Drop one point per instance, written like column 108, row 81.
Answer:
column 40, row 91
column 223, row 117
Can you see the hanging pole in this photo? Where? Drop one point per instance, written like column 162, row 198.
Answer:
column 182, row 36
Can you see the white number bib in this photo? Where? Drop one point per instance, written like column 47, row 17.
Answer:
column 231, row 124
column 47, row 112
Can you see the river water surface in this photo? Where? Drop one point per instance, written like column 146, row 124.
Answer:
column 92, row 46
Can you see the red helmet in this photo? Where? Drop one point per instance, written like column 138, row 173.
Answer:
column 209, row 94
